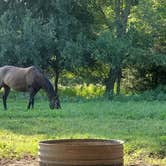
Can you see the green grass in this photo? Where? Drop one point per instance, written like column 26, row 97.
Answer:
column 142, row 125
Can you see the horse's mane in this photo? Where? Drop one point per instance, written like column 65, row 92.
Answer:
column 49, row 87
column 46, row 83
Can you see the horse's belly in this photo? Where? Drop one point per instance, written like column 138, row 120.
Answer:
column 16, row 84
column 21, row 89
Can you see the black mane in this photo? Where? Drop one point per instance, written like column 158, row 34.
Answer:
column 49, row 88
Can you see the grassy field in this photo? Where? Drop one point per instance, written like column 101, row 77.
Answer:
column 142, row 125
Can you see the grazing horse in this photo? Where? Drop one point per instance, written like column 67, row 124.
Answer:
column 28, row 79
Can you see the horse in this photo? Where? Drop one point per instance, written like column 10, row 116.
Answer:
column 29, row 79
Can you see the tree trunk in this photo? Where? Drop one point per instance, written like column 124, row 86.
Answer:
column 56, row 79
column 119, row 76
column 155, row 75
column 56, row 69
column 111, row 82
column 122, row 11
column 121, row 24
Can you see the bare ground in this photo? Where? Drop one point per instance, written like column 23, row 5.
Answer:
column 31, row 161
column 26, row 161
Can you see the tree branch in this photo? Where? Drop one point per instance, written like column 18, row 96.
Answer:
column 106, row 20
column 125, row 14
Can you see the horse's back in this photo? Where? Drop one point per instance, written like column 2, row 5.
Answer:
column 18, row 78
column 34, row 75
column 4, row 71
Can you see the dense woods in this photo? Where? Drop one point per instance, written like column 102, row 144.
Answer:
column 115, row 43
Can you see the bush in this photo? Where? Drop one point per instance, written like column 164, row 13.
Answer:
column 82, row 91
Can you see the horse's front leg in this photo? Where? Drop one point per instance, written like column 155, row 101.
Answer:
column 31, row 98
column 5, row 95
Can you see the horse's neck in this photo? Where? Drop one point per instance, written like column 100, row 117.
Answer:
column 47, row 86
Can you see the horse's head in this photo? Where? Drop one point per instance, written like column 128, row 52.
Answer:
column 55, row 103
column 52, row 94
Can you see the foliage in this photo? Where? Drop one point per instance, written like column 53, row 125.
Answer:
column 146, row 30
column 28, row 43
column 111, row 48
column 84, row 91
column 95, row 40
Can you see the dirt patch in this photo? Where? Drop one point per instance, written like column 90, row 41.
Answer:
column 26, row 161
column 31, row 161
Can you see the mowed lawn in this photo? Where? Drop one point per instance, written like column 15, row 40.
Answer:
column 142, row 125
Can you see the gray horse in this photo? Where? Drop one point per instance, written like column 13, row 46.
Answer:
column 28, row 79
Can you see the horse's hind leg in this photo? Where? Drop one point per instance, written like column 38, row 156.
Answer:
column 5, row 95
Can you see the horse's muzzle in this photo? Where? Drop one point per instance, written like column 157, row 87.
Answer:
column 58, row 107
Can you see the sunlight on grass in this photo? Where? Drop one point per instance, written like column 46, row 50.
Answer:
column 17, row 145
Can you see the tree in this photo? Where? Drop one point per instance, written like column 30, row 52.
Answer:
column 41, row 36
column 83, row 36
column 117, row 42
column 147, row 56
